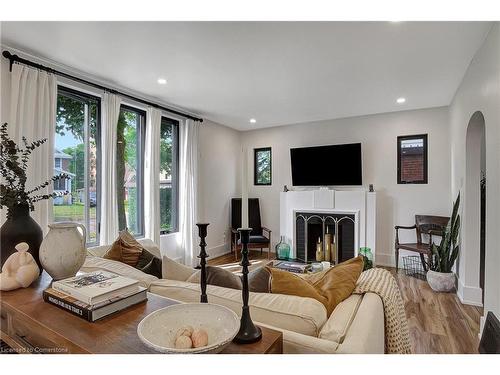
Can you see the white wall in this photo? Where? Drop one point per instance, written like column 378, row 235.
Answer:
column 396, row 204
column 218, row 181
column 480, row 91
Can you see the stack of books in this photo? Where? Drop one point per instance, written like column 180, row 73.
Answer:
column 94, row 295
column 292, row 266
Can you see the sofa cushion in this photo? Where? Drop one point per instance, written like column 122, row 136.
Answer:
column 298, row 314
column 175, row 271
column 96, row 263
column 220, row 277
column 339, row 321
column 329, row 287
column 149, row 263
column 125, row 249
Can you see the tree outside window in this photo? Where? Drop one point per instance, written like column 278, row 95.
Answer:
column 262, row 166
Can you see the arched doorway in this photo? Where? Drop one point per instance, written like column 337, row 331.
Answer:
column 474, row 217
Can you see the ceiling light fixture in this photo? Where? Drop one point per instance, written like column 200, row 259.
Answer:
column 162, row 81
column 253, row 121
column 400, row 100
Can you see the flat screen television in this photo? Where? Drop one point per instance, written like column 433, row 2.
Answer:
column 327, row 165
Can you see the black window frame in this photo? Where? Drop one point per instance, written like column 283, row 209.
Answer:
column 175, row 176
column 255, row 177
column 424, row 137
column 141, row 135
column 80, row 95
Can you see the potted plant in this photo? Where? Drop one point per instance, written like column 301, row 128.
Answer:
column 19, row 201
column 440, row 275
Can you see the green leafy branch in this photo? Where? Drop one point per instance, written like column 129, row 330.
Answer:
column 13, row 166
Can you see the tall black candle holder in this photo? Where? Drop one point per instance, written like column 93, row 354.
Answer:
column 248, row 332
column 202, row 232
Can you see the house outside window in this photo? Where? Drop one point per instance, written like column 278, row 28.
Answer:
column 412, row 159
column 76, row 153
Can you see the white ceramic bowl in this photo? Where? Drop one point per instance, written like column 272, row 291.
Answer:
column 158, row 329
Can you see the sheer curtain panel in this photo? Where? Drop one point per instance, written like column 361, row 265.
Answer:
column 109, row 183
column 152, row 176
column 188, row 216
column 33, row 100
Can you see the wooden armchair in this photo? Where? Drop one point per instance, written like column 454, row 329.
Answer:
column 260, row 237
column 424, row 224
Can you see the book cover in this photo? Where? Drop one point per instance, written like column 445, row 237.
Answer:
column 92, row 313
column 95, row 287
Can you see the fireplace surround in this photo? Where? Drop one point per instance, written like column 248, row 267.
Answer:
column 323, row 207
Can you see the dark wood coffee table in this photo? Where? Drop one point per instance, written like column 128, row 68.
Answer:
column 30, row 325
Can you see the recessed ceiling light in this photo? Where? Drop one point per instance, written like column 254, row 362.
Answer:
column 401, row 100
column 162, row 81
column 253, row 121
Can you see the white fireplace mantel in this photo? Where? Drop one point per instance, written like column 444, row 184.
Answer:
column 360, row 202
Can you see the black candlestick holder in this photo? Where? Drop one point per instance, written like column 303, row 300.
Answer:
column 202, row 232
column 248, row 332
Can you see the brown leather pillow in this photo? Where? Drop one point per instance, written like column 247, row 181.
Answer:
column 329, row 287
column 125, row 249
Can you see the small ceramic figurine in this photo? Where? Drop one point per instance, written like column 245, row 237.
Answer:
column 19, row 270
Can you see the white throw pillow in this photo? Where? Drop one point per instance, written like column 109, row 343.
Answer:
column 172, row 270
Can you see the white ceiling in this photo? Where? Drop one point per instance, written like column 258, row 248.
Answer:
column 277, row 72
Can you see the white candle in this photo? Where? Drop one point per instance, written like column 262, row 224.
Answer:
column 244, row 189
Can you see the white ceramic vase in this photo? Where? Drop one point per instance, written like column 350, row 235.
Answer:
column 441, row 281
column 63, row 250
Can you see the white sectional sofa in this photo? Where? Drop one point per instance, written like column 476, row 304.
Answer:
column 355, row 326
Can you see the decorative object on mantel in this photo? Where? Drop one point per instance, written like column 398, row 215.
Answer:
column 248, row 332
column 282, row 249
column 370, row 188
column 63, row 250
column 328, row 246
column 285, row 189
column 440, row 275
column 19, row 270
column 319, row 250
column 19, row 201
column 202, row 233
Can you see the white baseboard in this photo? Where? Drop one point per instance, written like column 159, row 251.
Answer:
column 219, row 250
column 469, row 295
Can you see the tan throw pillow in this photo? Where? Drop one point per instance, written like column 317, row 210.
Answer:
column 125, row 249
column 329, row 287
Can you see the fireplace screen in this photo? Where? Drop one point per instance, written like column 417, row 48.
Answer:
column 328, row 237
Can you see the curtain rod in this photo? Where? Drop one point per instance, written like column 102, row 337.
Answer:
column 15, row 58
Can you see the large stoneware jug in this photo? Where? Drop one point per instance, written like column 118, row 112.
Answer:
column 63, row 250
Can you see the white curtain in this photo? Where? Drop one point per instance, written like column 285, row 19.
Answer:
column 152, row 176
column 109, row 183
column 33, row 115
column 188, row 216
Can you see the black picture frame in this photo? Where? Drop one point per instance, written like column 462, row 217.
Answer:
column 256, row 152
column 424, row 137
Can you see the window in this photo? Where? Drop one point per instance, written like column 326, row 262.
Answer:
column 129, row 169
column 262, row 166
column 77, row 154
column 412, row 159
column 169, row 166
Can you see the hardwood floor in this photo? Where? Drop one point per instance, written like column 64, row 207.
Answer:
column 438, row 322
